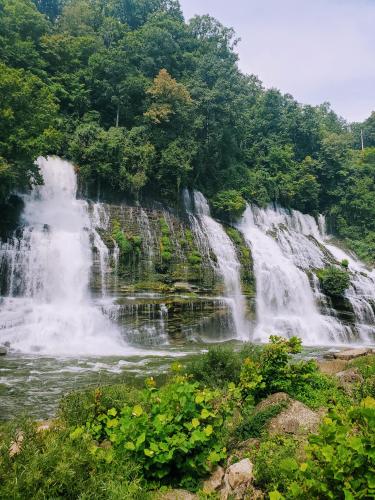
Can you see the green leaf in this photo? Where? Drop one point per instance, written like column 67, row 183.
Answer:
column 148, row 452
column 140, row 440
column 199, row 398
column 195, row 423
column 129, row 446
column 205, row 413
column 208, row 430
column 112, row 412
column 137, row 411
column 275, row 495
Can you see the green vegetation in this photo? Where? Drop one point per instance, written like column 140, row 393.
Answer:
column 228, row 203
column 129, row 245
column 333, row 280
column 126, row 442
column 340, row 459
column 174, row 433
column 146, row 103
column 165, row 244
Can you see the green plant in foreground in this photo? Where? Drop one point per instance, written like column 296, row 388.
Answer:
column 175, row 434
column 53, row 464
column 340, row 458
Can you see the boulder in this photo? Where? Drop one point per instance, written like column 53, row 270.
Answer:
column 237, row 480
column 239, row 474
column 214, row 482
column 348, row 378
column 353, row 353
column 3, row 351
column 297, row 418
column 16, row 445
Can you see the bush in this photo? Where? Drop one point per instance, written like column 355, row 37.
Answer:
column 229, row 203
column 341, row 461
column 275, row 463
column 174, row 433
column 52, row 464
column 79, row 406
column 334, row 281
column 221, row 365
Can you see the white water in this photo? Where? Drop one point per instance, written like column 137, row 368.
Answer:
column 287, row 246
column 52, row 313
column 210, row 231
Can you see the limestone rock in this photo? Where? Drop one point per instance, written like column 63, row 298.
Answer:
column 237, row 480
column 348, row 378
column 214, row 482
column 177, row 495
column 353, row 353
column 16, row 445
column 240, row 473
column 351, row 376
column 297, row 418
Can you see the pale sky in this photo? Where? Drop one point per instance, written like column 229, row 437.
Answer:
column 316, row 50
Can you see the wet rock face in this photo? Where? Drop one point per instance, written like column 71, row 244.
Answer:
column 165, row 284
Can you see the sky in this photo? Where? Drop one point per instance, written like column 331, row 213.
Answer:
column 316, row 50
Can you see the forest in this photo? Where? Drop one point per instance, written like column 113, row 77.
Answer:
column 145, row 103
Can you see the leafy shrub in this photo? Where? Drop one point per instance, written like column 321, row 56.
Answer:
column 52, row 464
column 79, row 406
column 229, row 203
column 174, row 433
column 128, row 244
column 275, row 463
column 341, row 459
column 220, row 365
column 334, row 281
column 345, row 263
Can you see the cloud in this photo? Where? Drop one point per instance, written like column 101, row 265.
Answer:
column 317, row 51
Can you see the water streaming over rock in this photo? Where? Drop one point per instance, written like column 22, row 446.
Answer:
column 211, row 235
column 287, row 248
column 48, row 309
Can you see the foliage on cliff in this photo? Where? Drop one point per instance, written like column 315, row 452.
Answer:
column 143, row 101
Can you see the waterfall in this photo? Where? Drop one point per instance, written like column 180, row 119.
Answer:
column 285, row 298
column 287, row 248
column 211, row 235
column 100, row 220
column 48, row 309
column 361, row 292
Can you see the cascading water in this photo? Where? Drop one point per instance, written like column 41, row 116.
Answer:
column 285, row 300
column 50, row 312
column 211, row 234
column 287, row 247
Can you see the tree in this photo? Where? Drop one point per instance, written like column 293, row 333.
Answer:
column 28, row 112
